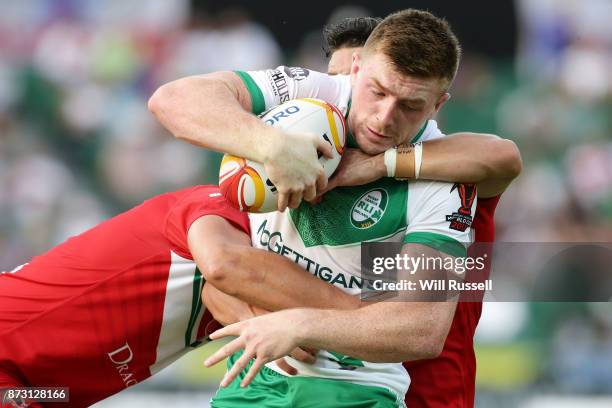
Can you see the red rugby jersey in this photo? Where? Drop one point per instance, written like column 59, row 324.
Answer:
column 448, row 381
column 110, row 307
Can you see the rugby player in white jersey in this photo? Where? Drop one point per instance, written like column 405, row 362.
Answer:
column 393, row 96
column 447, row 380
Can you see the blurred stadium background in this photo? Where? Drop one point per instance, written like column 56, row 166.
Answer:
column 77, row 145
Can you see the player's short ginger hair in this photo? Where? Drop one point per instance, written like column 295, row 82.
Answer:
column 418, row 44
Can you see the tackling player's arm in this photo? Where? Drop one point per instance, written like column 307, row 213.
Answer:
column 226, row 309
column 487, row 160
column 214, row 111
column 397, row 330
column 438, row 216
column 265, row 280
column 483, row 159
column 226, row 259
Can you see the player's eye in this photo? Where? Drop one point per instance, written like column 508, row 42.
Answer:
column 377, row 93
column 408, row 108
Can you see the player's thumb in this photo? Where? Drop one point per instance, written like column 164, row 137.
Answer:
column 331, row 184
column 325, row 148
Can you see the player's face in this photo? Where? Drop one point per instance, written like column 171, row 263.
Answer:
column 388, row 108
column 340, row 61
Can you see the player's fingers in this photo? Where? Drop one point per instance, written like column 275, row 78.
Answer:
column 321, row 182
column 229, row 330
column 316, row 200
column 303, row 356
column 283, row 201
column 325, row 148
column 310, row 193
column 331, row 184
column 257, row 364
column 310, row 350
column 284, row 365
column 224, row 352
column 295, row 199
column 237, row 368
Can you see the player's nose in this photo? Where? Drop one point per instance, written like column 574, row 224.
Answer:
column 386, row 114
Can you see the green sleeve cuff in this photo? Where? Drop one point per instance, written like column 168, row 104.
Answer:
column 258, row 103
column 440, row 242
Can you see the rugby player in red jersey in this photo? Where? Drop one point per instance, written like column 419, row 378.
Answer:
column 110, row 307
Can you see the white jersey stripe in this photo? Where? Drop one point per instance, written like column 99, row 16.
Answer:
column 177, row 312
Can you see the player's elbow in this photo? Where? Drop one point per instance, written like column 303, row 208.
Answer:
column 159, row 103
column 433, row 347
column 217, row 269
column 429, row 344
column 172, row 103
column 225, row 267
column 164, row 104
column 508, row 164
column 427, row 348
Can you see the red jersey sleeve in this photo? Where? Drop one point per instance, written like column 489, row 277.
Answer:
column 484, row 224
column 195, row 203
column 7, row 381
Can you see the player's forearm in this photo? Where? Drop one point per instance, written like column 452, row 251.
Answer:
column 470, row 158
column 381, row 332
column 460, row 158
column 487, row 160
column 402, row 328
column 225, row 309
column 271, row 281
column 209, row 111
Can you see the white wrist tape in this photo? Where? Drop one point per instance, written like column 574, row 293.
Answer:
column 391, row 161
column 418, row 159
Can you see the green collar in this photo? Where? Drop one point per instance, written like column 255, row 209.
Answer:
column 420, row 133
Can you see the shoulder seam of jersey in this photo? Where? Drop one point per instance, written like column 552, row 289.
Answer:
column 257, row 99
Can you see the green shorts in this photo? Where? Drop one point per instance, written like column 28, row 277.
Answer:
column 270, row 389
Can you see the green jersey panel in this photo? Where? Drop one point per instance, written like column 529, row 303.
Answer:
column 351, row 215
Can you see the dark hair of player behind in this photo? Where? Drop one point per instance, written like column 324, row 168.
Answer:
column 349, row 32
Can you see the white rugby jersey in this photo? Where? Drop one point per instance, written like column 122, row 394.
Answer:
column 325, row 238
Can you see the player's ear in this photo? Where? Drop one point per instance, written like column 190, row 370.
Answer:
column 355, row 65
column 441, row 101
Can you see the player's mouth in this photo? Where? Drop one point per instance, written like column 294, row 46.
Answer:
column 377, row 135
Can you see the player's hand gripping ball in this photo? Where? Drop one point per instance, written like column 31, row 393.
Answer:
column 244, row 182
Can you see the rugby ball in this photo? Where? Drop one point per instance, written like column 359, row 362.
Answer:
column 244, row 182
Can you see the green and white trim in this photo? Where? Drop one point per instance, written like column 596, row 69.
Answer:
column 183, row 311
